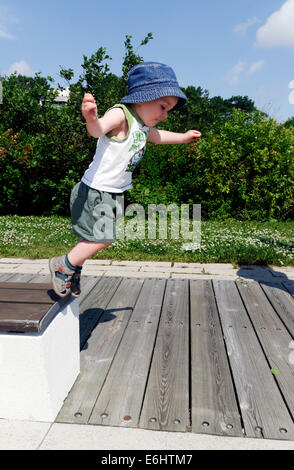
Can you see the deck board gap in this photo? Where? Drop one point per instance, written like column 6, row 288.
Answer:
column 264, row 350
column 152, row 354
column 229, row 362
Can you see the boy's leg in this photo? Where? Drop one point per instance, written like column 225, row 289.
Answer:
column 76, row 258
column 84, row 250
column 66, row 270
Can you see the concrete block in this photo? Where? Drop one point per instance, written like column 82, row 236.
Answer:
column 22, row 435
column 37, row 370
column 204, row 276
column 192, row 276
column 81, row 437
column 188, row 265
column 7, row 268
column 29, row 268
column 120, row 268
column 187, row 270
column 142, row 263
column 141, row 274
column 127, row 263
column 155, row 268
column 98, row 262
column 216, row 268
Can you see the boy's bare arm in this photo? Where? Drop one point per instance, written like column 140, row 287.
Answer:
column 157, row 136
column 97, row 127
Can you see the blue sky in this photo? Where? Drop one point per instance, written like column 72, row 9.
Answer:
column 228, row 47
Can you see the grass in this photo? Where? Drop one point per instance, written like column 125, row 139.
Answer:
column 221, row 242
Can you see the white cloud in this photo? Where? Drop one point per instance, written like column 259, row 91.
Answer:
column 233, row 76
column 5, row 19
column 242, row 28
column 21, row 68
column 4, row 34
column 278, row 29
column 256, row 66
column 240, row 69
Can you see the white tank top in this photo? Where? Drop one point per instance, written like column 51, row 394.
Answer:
column 115, row 159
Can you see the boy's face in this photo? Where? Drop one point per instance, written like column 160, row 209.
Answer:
column 153, row 112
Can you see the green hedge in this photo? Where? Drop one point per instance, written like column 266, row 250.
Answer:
column 244, row 169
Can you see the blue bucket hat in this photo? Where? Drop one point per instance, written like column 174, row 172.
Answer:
column 149, row 81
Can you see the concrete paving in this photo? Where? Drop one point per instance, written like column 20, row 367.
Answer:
column 30, row 435
column 158, row 269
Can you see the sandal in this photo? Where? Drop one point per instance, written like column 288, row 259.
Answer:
column 61, row 276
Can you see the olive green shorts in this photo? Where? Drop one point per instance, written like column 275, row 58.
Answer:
column 94, row 213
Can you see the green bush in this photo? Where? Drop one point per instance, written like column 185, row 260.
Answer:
column 15, row 152
column 244, row 171
column 44, row 150
column 38, row 171
column 242, row 167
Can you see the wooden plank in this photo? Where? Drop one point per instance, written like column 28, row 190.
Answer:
column 99, row 351
column 121, row 397
column 148, row 306
column 6, row 277
column 166, row 403
column 22, row 309
column 41, row 278
column 87, row 284
column 262, row 407
column 22, row 295
column 273, row 336
column 283, row 303
column 94, row 304
column 214, row 404
column 20, row 277
column 25, row 286
column 21, row 317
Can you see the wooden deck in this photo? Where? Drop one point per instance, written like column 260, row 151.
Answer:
column 199, row 356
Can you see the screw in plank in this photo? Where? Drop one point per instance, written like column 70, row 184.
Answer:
column 153, row 420
column 205, row 424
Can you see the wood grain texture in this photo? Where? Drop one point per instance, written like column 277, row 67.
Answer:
column 262, row 406
column 214, row 404
column 166, row 403
column 117, row 298
column 122, row 394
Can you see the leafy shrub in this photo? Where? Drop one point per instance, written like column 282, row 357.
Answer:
column 242, row 167
column 244, row 171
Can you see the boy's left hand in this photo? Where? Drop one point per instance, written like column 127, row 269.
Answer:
column 191, row 136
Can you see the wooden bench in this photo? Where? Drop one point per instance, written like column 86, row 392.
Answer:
column 39, row 351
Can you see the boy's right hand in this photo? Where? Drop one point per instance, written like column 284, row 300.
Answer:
column 89, row 108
